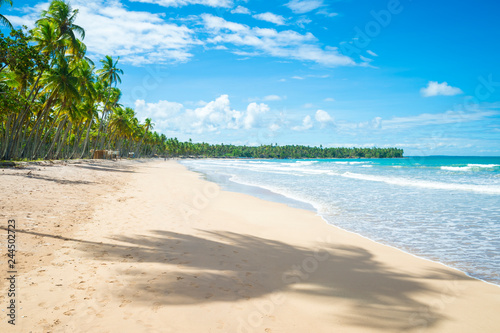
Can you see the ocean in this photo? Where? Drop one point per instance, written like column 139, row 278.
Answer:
column 442, row 208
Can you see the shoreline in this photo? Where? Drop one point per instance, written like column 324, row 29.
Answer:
column 164, row 247
column 315, row 207
column 331, row 224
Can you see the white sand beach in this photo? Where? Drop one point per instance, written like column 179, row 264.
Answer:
column 148, row 246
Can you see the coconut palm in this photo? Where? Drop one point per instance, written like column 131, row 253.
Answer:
column 109, row 75
column 62, row 84
column 63, row 17
column 3, row 19
column 109, row 71
column 148, row 125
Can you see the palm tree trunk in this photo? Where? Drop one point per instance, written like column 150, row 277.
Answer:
column 63, row 141
column 102, row 120
column 17, row 127
column 47, row 132
column 56, row 137
column 33, row 133
column 86, row 138
column 38, row 135
column 6, row 137
column 78, row 137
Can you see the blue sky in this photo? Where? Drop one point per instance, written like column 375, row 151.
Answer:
column 420, row 75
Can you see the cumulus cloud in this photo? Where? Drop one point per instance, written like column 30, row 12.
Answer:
column 283, row 44
column 252, row 114
column 161, row 110
column 213, row 116
column 181, row 3
column 435, row 89
column 323, row 117
column 270, row 17
column 304, row 6
column 307, row 123
column 241, row 10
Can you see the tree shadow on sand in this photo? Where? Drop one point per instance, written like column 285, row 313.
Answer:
column 224, row 266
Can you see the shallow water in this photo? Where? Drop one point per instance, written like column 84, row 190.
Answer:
column 442, row 208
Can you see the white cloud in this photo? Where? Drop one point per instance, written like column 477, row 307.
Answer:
column 301, row 22
column 370, row 52
column 308, row 105
column 283, row 44
column 306, row 124
column 323, row 117
column 296, row 77
column 327, row 13
column 143, row 38
column 316, row 76
column 270, row 17
column 304, row 6
column 329, row 99
column 268, row 98
column 365, row 59
column 137, row 37
column 241, row 10
column 448, row 117
column 272, row 98
column 181, row 3
column 435, row 89
column 274, row 127
column 252, row 114
column 162, row 110
column 213, row 116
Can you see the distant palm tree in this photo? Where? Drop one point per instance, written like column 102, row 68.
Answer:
column 3, row 19
column 148, row 125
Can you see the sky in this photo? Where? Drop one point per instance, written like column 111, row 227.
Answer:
column 419, row 75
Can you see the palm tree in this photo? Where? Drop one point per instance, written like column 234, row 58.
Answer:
column 3, row 19
column 109, row 71
column 63, row 17
column 46, row 36
column 148, row 125
column 62, row 84
column 109, row 74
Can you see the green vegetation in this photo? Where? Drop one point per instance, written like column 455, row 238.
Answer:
column 55, row 103
column 176, row 148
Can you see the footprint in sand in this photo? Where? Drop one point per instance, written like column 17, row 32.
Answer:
column 69, row 312
column 125, row 302
column 157, row 306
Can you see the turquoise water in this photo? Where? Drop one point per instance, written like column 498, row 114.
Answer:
column 445, row 209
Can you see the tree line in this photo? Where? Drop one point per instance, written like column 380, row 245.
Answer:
column 55, row 103
column 176, row 148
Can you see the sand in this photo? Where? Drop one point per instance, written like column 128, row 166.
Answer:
column 147, row 246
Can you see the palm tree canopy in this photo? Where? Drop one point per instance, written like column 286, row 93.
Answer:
column 63, row 16
column 3, row 19
column 109, row 71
